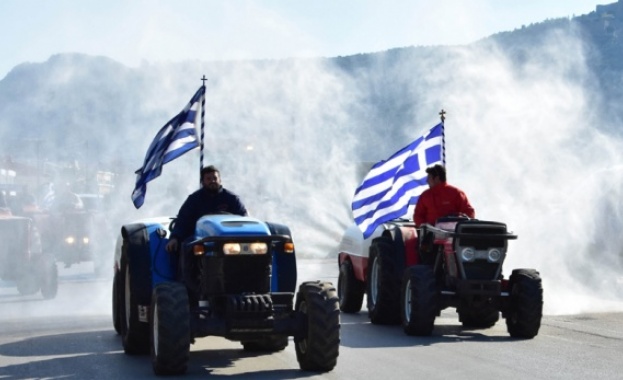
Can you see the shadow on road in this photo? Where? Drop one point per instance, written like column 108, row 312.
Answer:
column 99, row 355
column 358, row 332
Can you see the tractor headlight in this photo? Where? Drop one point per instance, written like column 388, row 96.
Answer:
column 231, row 248
column 85, row 240
column 70, row 240
column 467, row 254
column 256, row 248
column 494, row 255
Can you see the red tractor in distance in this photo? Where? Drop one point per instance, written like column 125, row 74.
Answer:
column 409, row 275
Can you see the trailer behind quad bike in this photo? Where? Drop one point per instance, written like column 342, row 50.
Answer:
column 236, row 278
column 410, row 275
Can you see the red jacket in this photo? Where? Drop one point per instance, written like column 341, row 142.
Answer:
column 439, row 201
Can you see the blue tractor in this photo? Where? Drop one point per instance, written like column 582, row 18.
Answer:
column 236, row 278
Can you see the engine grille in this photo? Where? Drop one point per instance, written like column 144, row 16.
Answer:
column 481, row 270
column 235, row 274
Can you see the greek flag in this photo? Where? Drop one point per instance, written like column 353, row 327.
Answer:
column 177, row 137
column 393, row 184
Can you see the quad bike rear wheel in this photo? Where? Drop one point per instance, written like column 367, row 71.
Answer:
column 350, row 289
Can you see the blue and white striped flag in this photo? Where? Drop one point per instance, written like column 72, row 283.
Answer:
column 177, row 137
column 393, row 184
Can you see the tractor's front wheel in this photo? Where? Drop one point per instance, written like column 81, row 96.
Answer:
column 317, row 347
column 419, row 301
column 350, row 290
column 523, row 319
column 169, row 322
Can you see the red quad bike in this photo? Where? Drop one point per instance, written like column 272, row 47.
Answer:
column 22, row 260
column 409, row 275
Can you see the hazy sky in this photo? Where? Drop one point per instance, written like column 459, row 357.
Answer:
column 172, row 30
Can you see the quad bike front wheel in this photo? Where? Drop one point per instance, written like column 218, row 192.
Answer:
column 317, row 347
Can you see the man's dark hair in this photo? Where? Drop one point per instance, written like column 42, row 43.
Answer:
column 209, row 169
column 437, row 171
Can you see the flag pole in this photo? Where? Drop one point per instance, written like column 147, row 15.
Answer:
column 203, row 102
column 442, row 115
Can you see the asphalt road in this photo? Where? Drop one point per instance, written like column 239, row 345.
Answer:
column 72, row 337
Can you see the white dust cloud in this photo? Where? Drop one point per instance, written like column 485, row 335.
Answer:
column 524, row 142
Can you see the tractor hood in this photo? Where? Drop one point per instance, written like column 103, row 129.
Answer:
column 229, row 225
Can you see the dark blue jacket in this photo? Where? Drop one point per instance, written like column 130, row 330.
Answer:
column 201, row 203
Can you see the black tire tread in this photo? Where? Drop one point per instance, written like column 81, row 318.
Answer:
column 385, row 310
column 317, row 348
column 135, row 334
column 172, row 305
column 350, row 289
column 526, row 304
column 419, row 283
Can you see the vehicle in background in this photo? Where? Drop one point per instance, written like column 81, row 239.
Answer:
column 22, row 260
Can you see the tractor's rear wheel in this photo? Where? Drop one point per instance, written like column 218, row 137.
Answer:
column 169, row 321
column 383, row 285
column 350, row 290
column 134, row 332
column 317, row 348
column 523, row 318
column 419, row 301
